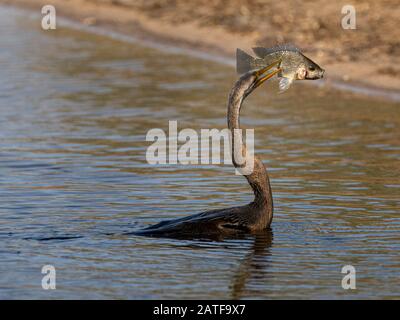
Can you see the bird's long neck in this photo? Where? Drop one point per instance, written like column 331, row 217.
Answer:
column 258, row 177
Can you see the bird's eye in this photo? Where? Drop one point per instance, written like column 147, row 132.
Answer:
column 311, row 68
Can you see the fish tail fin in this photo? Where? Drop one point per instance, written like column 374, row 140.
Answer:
column 244, row 61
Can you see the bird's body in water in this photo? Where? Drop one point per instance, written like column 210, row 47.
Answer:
column 252, row 217
column 294, row 64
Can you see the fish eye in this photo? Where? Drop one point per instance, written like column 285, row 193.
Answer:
column 311, row 68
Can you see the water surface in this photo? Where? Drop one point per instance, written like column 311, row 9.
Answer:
column 75, row 110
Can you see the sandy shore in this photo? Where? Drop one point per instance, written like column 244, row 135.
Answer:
column 372, row 68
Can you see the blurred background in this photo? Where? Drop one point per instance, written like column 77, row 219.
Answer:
column 368, row 55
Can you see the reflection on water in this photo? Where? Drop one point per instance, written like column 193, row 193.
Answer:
column 75, row 110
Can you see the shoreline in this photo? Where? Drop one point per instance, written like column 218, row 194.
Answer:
column 132, row 26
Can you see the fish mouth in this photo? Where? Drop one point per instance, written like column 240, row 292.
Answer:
column 317, row 76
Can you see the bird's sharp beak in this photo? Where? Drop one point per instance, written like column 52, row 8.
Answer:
column 262, row 76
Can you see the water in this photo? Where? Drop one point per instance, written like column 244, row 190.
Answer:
column 75, row 110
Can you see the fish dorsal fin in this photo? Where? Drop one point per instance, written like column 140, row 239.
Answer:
column 261, row 52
